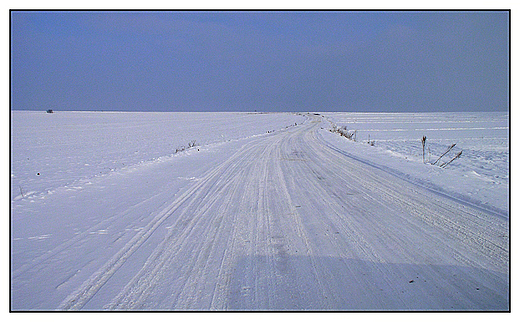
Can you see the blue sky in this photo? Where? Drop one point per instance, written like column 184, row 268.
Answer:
column 265, row 61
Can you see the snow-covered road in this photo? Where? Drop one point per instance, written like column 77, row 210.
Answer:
column 282, row 222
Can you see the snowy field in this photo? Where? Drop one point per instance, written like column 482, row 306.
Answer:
column 66, row 149
column 480, row 174
column 265, row 212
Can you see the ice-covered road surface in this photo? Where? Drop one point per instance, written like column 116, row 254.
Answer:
column 282, row 222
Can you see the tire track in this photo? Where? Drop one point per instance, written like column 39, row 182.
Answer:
column 89, row 288
column 178, row 240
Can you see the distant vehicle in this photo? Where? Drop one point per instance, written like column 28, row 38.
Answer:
column 50, row 111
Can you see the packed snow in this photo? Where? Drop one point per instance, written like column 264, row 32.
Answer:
column 266, row 211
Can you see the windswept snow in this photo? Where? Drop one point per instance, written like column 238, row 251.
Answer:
column 295, row 219
column 49, row 151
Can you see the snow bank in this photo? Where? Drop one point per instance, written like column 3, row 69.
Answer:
column 480, row 176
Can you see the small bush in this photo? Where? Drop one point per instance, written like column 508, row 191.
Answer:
column 191, row 144
column 343, row 131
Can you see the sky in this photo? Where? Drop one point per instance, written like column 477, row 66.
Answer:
column 272, row 61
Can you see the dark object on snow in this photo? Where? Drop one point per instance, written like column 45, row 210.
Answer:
column 423, row 142
column 411, row 281
column 449, row 149
column 50, row 111
column 456, row 157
